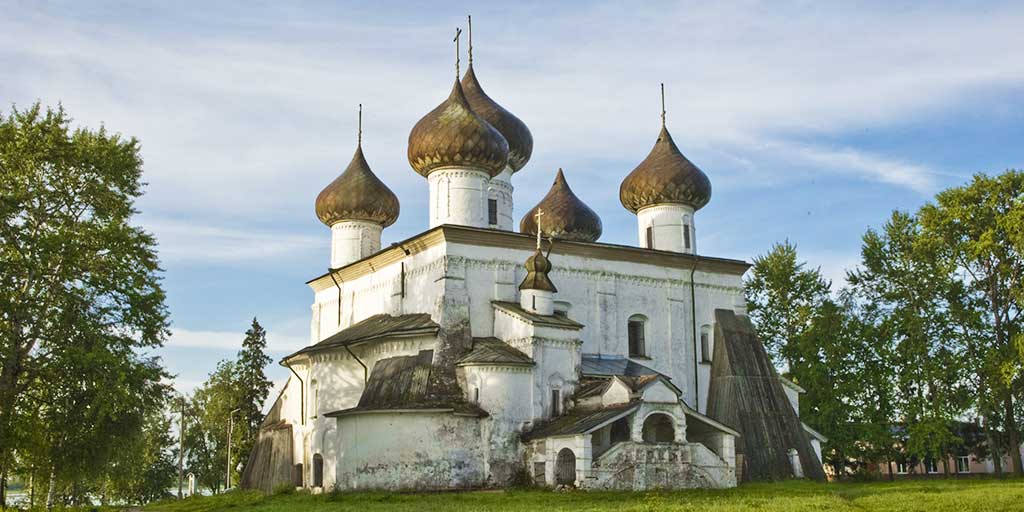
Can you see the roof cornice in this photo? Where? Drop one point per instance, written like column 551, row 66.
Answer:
column 465, row 235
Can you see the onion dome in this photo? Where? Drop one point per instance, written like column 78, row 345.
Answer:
column 453, row 135
column 537, row 268
column 357, row 195
column 665, row 176
column 564, row 215
column 520, row 141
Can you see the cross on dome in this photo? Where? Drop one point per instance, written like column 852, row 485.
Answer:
column 538, row 215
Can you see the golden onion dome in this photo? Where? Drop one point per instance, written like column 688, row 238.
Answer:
column 537, row 268
column 665, row 176
column 520, row 141
column 357, row 195
column 564, row 215
column 453, row 135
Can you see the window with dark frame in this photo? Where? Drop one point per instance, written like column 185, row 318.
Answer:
column 686, row 235
column 492, row 211
column 650, row 237
column 636, row 337
column 705, row 347
column 556, row 402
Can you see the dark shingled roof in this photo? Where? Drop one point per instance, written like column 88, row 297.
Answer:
column 565, row 216
column 598, row 366
column 494, row 351
column 375, row 327
column 403, row 382
column 579, row 421
column 550, row 321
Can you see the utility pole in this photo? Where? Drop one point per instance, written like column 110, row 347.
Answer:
column 181, row 447
column 231, row 424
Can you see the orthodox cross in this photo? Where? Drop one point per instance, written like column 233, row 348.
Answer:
column 469, row 20
column 360, row 136
column 538, row 215
column 662, row 104
column 458, row 32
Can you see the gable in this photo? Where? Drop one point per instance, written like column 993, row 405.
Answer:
column 617, row 392
column 659, row 391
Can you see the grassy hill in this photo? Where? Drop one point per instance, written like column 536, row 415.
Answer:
column 959, row 495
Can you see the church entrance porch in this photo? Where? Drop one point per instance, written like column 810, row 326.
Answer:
column 634, row 446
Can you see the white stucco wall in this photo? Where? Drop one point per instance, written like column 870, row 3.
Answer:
column 465, row 279
column 458, row 196
column 353, row 240
column 668, row 223
column 409, row 450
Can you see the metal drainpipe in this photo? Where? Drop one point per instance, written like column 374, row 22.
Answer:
column 366, row 375
column 337, row 285
column 693, row 322
column 302, row 392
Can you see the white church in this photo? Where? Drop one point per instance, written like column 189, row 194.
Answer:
column 473, row 355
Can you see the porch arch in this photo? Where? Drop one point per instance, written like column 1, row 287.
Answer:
column 659, row 428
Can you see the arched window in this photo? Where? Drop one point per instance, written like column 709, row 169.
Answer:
column 314, row 399
column 705, row 344
column 318, row 470
column 659, row 428
column 637, row 336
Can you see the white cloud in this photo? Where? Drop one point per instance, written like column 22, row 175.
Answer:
column 247, row 125
column 870, row 166
column 181, row 241
column 277, row 343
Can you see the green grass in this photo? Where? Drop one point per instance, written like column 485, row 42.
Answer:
column 961, row 495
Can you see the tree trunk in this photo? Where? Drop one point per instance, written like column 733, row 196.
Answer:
column 993, row 446
column 892, row 477
column 3, row 490
column 52, row 490
column 1010, row 425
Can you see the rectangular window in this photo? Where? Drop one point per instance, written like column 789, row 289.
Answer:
column 650, row 237
column 930, row 466
column 556, row 402
column 705, row 348
column 963, row 465
column 686, row 235
column 492, row 211
column 901, row 468
column 636, row 338
column 476, row 395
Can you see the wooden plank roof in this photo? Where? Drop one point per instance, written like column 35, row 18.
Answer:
column 374, row 328
column 580, row 421
column 404, row 383
column 494, row 351
column 556, row 320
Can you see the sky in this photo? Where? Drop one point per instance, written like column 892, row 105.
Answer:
column 813, row 120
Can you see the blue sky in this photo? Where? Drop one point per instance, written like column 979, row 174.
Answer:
column 813, row 121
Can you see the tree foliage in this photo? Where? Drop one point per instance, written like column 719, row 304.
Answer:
column 80, row 302
column 783, row 296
